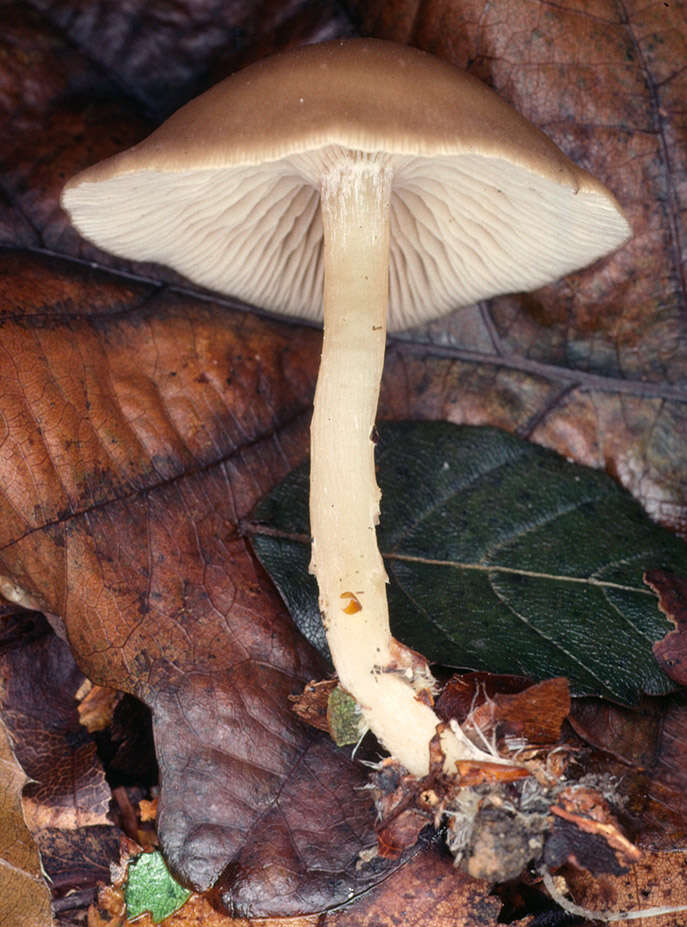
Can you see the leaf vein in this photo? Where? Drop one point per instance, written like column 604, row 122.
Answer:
column 518, row 571
column 551, row 641
column 475, row 478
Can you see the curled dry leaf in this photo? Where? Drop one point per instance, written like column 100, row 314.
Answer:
column 96, row 706
column 536, row 715
column 463, row 692
column 401, row 832
column 147, row 810
column 595, row 842
column 66, row 800
column 312, row 703
column 671, row 652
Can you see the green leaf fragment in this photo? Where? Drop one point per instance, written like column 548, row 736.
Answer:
column 501, row 556
column 346, row 724
column 150, row 888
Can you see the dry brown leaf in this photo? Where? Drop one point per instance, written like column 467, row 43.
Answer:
column 147, row 809
column 188, row 414
column 142, row 423
column 96, row 706
column 109, row 908
column 656, row 881
column 197, row 912
column 650, row 744
column 536, row 715
column 427, row 892
column 66, row 799
column 464, row 691
column 312, row 703
column 24, row 894
column 507, row 705
column 671, row 652
column 67, row 788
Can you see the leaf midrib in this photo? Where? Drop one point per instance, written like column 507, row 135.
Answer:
column 517, row 571
column 255, row 530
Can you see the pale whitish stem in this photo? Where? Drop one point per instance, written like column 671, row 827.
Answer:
column 382, row 676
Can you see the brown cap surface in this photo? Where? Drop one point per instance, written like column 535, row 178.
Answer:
column 227, row 190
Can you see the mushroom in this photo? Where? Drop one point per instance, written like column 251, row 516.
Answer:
column 345, row 179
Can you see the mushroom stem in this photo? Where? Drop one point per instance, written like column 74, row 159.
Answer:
column 384, row 677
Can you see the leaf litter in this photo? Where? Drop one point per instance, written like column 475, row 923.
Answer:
column 607, row 421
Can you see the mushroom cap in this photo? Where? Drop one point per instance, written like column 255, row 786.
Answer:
column 227, row 190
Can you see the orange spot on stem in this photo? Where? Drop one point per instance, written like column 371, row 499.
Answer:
column 353, row 603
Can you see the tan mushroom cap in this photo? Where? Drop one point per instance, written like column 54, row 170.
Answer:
column 227, row 190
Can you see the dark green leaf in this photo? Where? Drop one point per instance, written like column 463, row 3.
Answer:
column 151, row 888
column 501, row 556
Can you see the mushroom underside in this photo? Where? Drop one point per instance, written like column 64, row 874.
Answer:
column 461, row 227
